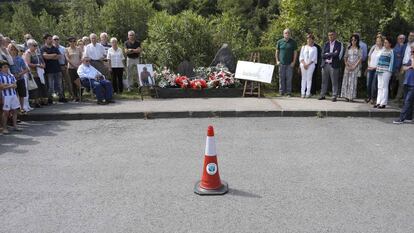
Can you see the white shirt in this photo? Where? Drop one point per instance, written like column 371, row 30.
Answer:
column 88, row 71
column 374, row 56
column 407, row 53
column 116, row 57
column 308, row 54
column 96, row 52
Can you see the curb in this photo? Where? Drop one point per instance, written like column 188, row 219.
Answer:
column 204, row 114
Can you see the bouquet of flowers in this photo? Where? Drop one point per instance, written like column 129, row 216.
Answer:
column 207, row 77
column 198, row 84
column 182, row 81
column 165, row 78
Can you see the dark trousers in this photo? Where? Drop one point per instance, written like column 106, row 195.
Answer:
column 372, row 84
column 73, row 74
column 102, row 88
column 407, row 109
column 117, row 80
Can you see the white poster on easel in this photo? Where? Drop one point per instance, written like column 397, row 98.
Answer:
column 253, row 71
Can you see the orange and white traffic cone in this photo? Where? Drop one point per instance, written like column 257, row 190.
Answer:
column 210, row 183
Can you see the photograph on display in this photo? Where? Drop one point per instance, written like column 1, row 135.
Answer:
column 145, row 74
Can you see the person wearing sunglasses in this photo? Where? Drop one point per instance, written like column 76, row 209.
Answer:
column 91, row 78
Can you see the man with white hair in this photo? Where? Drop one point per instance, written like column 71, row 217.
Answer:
column 96, row 52
column 93, row 79
column 133, row 51
column 104, row 42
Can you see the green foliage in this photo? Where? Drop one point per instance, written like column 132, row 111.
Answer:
column 388, row 25
column 318, row 17
column 171, row 39
column 80, row 19
column 227, row 29
column 23, row 21
column 121, row 16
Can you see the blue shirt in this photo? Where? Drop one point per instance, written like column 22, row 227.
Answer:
column 364, row 48
column 7, row 79
column 409, row 76
column 18, row 66
column 399, row 51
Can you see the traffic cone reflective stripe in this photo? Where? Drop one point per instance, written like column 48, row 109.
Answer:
column 210, row 183
column 210, row 146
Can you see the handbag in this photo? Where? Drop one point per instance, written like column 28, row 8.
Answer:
column 31, row 84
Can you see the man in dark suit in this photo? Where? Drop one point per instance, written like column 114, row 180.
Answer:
column 330, row 65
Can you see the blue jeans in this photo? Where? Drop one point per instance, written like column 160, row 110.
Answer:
column 372, row 84
column 407, row 109
column 54, row 84
column 102, row 88
column 285, row 79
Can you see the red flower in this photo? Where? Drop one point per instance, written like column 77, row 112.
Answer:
column 182, row 81
column 198, row 84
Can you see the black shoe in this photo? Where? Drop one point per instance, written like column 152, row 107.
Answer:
column 110, row 101
column 63, row 100
column 334, row 99
column 376, row 106
column 321, row 98
column 346, row 100
column 381, row 106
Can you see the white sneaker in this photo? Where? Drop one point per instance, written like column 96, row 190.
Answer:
column 408, row 121
column 398, row 122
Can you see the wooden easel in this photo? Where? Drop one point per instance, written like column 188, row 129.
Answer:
column 254, row 57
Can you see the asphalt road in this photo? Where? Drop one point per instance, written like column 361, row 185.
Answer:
column 285, row 175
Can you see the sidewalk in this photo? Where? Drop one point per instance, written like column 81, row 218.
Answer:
column 209, row 107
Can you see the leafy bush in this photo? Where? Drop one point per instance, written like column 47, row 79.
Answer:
column 121, row 16
column 171, row 39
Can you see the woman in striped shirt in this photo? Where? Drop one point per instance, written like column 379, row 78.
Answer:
column 384, row 70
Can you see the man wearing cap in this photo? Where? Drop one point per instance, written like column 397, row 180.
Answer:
column 62, row 62
column 51, row 55
column 96, row 52
column 92, row 78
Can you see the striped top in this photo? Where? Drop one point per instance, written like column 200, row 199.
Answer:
column 6, row 78
column 386, row 61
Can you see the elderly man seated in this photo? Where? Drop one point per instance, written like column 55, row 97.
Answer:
column 93, row 79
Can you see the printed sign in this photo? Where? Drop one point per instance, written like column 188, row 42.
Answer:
column 258, row 72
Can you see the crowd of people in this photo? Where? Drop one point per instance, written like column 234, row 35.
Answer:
column 44, row 73
column 35, row 75
column 388, row 66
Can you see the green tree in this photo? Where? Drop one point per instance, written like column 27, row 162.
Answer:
column 80, row 18
column 228, row 29
column 171, row 39
column 120, row 16
column 23, row 21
